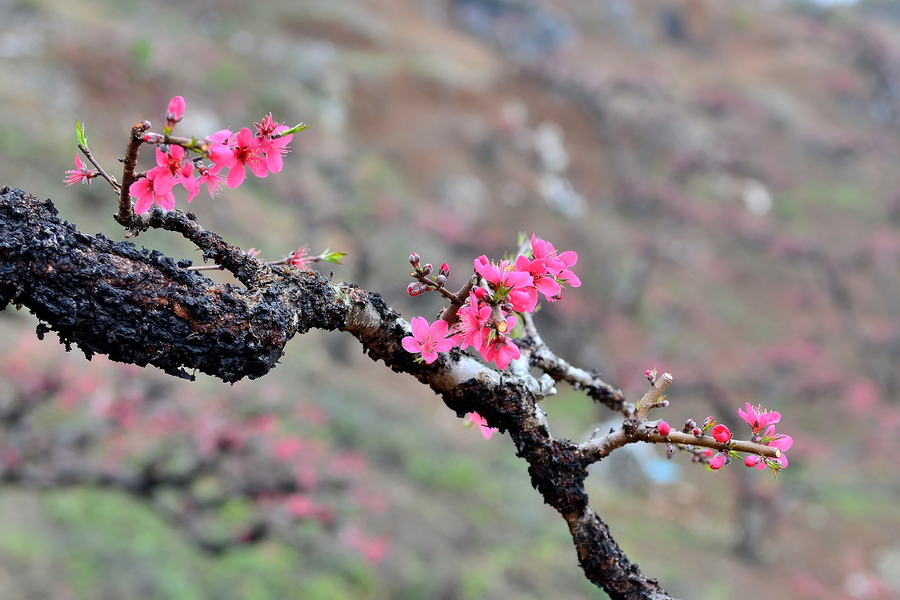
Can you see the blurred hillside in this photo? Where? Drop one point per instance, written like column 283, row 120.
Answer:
column 727, row 173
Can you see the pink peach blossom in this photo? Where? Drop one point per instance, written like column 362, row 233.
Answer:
column 147, row 194
column 758, row 418
column 428, row 339
column 486, row 430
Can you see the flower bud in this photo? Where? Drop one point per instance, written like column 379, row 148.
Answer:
column 663, row 428
column 708, row 422
column 414, row 259
column 752, row 460
column 441, row 280
column 698, row 433
column 721, row 433
column 689, row 424
column 664, row 403
column 445, row 269
column 427, row 269
column 415, row 289
column 717, row 461
column 670, row 450
column 175, row 111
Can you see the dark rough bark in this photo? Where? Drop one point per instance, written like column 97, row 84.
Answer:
column 140, row 307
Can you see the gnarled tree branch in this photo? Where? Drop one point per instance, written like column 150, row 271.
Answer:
column 140, row 307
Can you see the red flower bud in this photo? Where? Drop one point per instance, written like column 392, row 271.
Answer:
column 717, row 461
column 427, row 269
column 752, row 460
column 445, row 269
column 721, row 433
column 697, row 432
column 414, row 259
column 663, row 428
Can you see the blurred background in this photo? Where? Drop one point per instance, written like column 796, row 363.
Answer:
column 727, row 172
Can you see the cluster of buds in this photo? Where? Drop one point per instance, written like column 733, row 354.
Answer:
column 425, row 281
column 262, row 152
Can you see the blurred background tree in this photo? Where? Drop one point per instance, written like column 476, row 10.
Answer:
column 726, row 173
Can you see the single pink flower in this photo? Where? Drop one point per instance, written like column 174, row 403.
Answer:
column 299, row 258
column 80, row 173
column 543, row 281
column 247, row 153
column 759, row 418
column 486, row 430
column 721, row 433
column 177, row 170
column 717, row 461
column 146, row 193
column 498, row 347
column 274, row 149
column 473, row 318
column 428, row 339
column 507, row 283
column 777, row 440
column 209, row 176
column 558, row 264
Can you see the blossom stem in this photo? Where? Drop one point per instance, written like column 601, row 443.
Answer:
column 87, row 154
column 561, row 370
column 597, row 448
column 283, row 261
column 653, row 396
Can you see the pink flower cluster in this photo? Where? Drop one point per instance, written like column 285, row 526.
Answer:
column 261, row 152
column 485, row 322
column 762, row 422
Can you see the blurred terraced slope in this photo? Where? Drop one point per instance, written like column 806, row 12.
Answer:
column 726, row 171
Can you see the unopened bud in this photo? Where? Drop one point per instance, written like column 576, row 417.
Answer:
column 752, row 460
column 721, row 433
column 427, row 269
column 663, row 428
column 717, row 461
column 670, row 450
column 414, row 259
column 441, row 280
column 416, row 289
column 664, row 403
column 698, row 433
column 689, row 424
column 709, row 421
column 445, row 269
